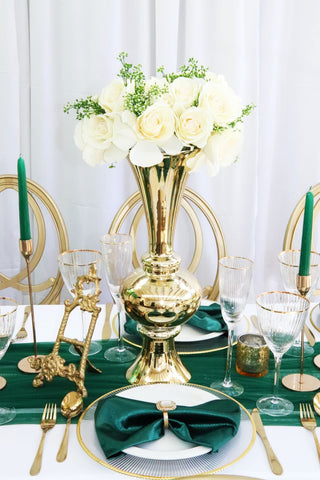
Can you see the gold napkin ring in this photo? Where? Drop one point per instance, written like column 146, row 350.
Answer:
column 166, row 406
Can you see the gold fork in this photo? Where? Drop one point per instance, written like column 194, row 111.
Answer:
column 22, row 333
column 309, row 422
column 48, row 421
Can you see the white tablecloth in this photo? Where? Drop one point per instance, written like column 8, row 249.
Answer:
column 294, row 446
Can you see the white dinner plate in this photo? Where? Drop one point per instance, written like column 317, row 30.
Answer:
column 151, row 461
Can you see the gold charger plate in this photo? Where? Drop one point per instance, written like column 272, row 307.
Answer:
column 313, row 317
column 190, row 348
column 209, row 462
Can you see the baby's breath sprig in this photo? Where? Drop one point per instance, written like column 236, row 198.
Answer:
column 245, row 112
column 190, row 70
column 85, row 107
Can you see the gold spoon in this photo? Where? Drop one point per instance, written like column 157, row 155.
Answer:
column 71, row 406
column 316, row 403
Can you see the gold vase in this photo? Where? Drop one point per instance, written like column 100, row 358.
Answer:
column 160, row 297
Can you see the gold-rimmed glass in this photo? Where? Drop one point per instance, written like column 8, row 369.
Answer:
column 74, row 264
column 235, row 275
column 8, row 311
column 281, row 316
column 289, row 261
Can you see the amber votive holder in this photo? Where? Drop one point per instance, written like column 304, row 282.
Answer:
column 252, row 355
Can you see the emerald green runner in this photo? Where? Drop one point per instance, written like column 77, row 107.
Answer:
column 204, row 368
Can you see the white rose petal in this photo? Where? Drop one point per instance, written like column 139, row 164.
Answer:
column 145, row 154
column 111, row 98
column 185, row 90
column 114, row 154
column 93, row 156
column 194, row 126
column 97, row 131
column 124, row 136
column 223, row 104
column 172, row 146
column 223, row 148
column 156, row 123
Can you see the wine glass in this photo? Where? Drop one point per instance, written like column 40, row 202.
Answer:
column 235, row 275
column 289, row 261
column 74, row 264
column 281, row 316
column 116, row 251
column 8, row 310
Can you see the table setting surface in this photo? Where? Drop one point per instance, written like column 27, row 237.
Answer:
column 293, row 444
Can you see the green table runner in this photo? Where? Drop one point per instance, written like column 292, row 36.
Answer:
column 204, row 368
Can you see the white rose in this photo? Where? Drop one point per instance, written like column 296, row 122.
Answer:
column 97, row 131
column 156, row 123
column 223, row 104
column 111, row 97
column 185, row 90
column 222, row 149
column 216, row 78
column 194, row 126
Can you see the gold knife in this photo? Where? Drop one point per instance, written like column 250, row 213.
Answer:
column 106, row 329
column 273, row 460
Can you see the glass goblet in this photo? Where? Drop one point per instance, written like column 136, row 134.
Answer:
column 116, row 251
column 281, row 316
column 289, row 261
column 235, row 275
column 74, row 264
column 8, row 310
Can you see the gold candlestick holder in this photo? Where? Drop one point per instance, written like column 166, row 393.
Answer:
column 53, row 365
column 29, row 364
column 302, row 382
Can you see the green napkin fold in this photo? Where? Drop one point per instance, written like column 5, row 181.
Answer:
column 122, row 423
column 207, row 317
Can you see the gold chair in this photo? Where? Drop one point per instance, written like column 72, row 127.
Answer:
column 42, row 205
column 190, row 200
column 294, row 220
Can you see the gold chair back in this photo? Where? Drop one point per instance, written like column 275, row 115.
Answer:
column 38, row 198
column 295, row 218
column 190, row 200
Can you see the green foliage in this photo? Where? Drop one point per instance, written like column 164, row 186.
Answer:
column 85, row 107
column 245, row 112
column 190, row 70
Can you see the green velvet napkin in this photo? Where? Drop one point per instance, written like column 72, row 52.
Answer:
column 122, row 423
column 207, row 317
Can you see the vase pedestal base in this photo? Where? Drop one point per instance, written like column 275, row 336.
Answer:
column 158, row 362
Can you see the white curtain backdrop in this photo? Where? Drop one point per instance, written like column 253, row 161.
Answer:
column 54, row 51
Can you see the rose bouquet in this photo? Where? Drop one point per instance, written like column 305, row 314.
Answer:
column 142, row 118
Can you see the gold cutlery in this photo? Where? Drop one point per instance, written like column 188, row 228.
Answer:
column 309, row 422
column 71, row 406
column 106, row 329
column 273, row 460
column 48, row 421
column 22, row 333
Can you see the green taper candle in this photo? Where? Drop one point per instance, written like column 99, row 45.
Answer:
column 23, row 201
column 304, row 265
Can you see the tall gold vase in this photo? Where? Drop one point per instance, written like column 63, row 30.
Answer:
column 160, row 297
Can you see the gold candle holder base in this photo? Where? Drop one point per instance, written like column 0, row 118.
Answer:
column 25, row 364
column 301, row 383
column 3, row 383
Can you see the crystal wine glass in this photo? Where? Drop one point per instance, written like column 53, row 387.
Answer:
column 281, row 316
column 74, row 264
column 8, row 310
column 116, row 251
column 289, row 261
column 235, row 275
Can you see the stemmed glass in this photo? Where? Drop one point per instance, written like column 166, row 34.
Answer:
column 281, row 316
column 235, row 275
column 74, row 264
column 289, row 261
column 116, row 251
column 8, row 310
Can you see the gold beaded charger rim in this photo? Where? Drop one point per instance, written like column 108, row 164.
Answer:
column 313, row 314
column 187, row 348
column 164, row 469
